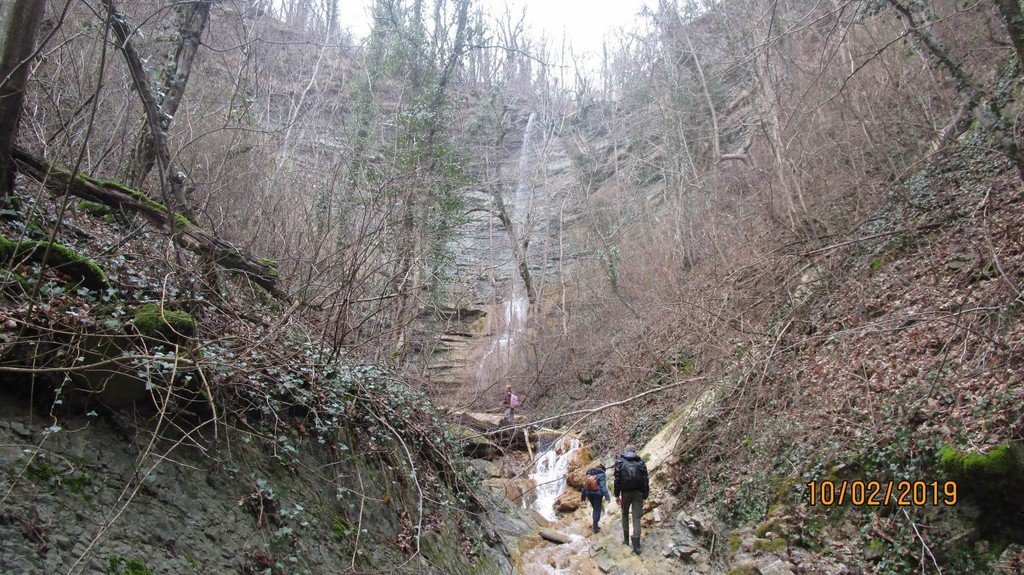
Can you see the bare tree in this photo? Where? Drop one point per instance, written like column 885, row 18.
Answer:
column 21, row 20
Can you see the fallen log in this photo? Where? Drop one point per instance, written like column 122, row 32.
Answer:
column 186, row 233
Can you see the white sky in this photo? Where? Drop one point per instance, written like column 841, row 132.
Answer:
column 584, row 21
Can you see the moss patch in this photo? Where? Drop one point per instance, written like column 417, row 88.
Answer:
column 769, row 545
column 994, row 481
column 60, row 258
column 771, row 525
column 1000, row 465
column 94, row 208
column 122, row 566
column 152, row 320
column 734, row 542
column 14, row 284
column 876, row 265
column 342, row 529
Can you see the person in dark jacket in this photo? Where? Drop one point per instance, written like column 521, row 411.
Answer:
column 596, row 496
column 632, row 487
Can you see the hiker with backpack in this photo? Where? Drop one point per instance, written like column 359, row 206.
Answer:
column 595, row 486
column 511, row 402
column 632, row 487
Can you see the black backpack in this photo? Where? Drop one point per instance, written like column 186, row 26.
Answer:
column 631, row 473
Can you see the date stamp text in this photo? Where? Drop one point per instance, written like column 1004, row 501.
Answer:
column 861, row 493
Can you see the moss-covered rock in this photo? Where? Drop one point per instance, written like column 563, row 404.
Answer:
column 1001, row 464
column 993, row 480
column 59, row 257
column 155, row 321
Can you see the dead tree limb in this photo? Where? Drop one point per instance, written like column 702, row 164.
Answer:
column 186, row 233
column 192, row 22
column 172, row 179
column 919, row 28
column 519, row 250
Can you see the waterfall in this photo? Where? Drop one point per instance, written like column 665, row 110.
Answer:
column 551, row 469
column 523, row 177
column 512, row 319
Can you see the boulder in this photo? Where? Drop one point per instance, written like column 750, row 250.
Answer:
column 694, row 524
column 484, row 469
column 684, row 552
column 568, row 502
column 520, row 491
column 577, row 477
column 581, row 458
column 473, row 443
column 554, row 536
column 496, row 486
column 477, row 421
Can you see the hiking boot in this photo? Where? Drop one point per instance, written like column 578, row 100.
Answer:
column 625, row 539
column 636, row 545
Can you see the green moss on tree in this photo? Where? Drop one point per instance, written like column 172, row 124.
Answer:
column 180, row 219
column 94, row 208
column 152, row 320
column 60, row 258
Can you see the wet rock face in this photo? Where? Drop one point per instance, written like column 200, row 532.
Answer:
column 521, row 491
column 484, row 270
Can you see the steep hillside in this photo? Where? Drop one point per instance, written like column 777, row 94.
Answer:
column 243, row 256
column 900, row 353
column 152, row 427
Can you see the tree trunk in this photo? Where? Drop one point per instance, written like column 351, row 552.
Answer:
column 191, row 25
column 187, row 234
column 172, row 179
column 22, row 18
column 1014, row 21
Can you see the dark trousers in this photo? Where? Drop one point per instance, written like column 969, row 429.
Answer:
column 632, row 501
column 596, row 502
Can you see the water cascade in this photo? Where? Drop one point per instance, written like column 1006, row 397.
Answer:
column 497, row 360
column 550, row 471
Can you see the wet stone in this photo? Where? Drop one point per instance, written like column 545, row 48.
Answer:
column 605, row 564
column 554, row 537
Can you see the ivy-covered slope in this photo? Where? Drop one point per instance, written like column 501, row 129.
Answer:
column 899, row 358
column 149, row 426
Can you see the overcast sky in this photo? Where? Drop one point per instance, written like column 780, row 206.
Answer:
column 584, row 21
